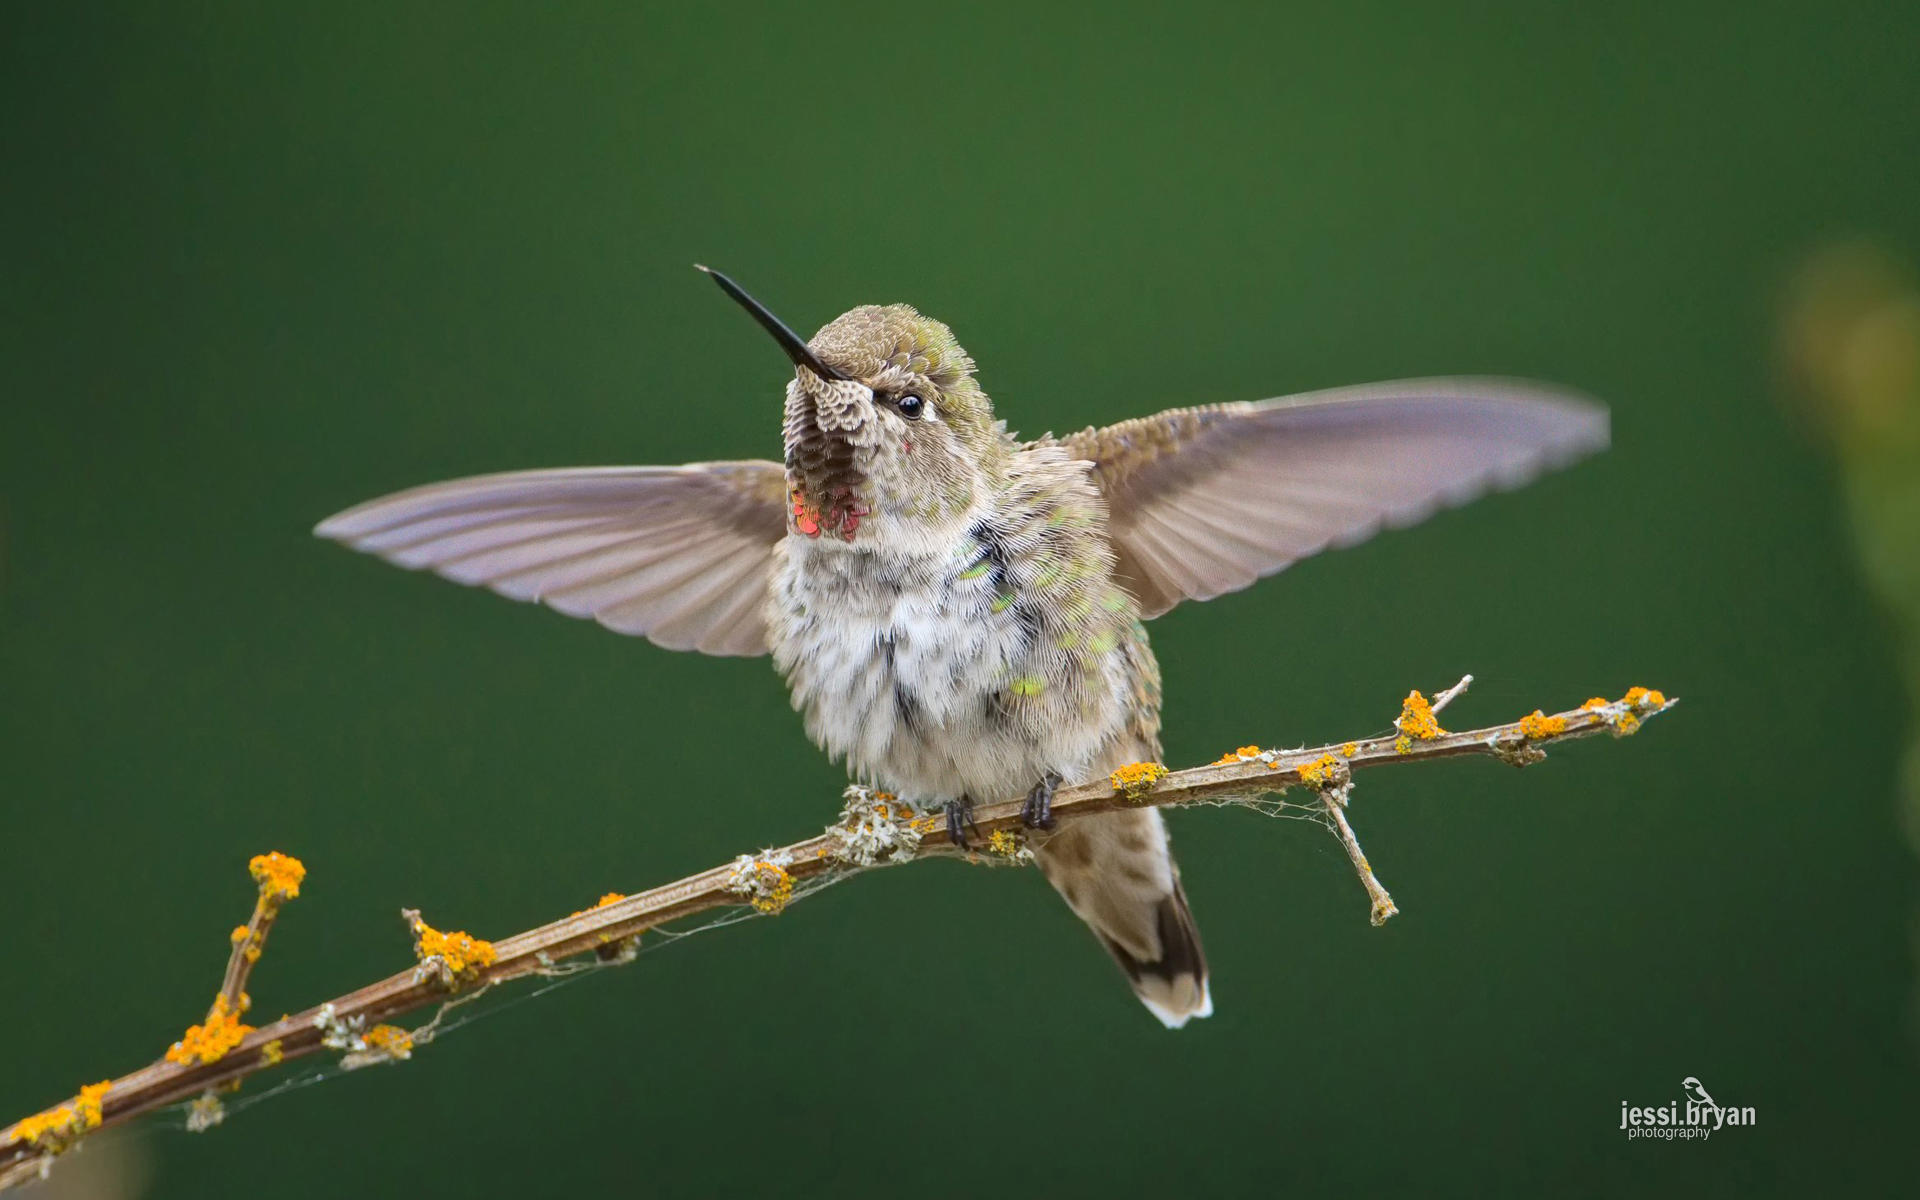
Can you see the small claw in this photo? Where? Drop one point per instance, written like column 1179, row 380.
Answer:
column 1037, row 813
column 959, row 820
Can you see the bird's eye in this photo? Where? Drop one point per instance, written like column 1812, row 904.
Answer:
column 910, row 406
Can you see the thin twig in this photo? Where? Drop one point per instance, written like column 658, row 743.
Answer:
column 1335, row 801
column 1445, row 698
column 875, row 830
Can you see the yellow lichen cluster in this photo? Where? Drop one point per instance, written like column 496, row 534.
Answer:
column 462, row 954
column 1243, row 754
column 1135, row 780
column 1004, row 842
column 59, row 1127
column 251, row 949
column 1321, row 771
column 602, row 902
column 1626, row 720
column 209, row 1042
column 390, row 1040
column 1416, row 722
column 1537, row 724
column 1350, row 749
column 279, row 875
column 273, row 1053
column 773, row 888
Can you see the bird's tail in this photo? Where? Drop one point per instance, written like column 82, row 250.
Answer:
column 1117, row 873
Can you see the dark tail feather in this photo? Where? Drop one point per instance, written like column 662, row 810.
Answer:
column 1174, row 986
column 1117, row 874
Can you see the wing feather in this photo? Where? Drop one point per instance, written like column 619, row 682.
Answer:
column 679, row 555
column 1204, row 501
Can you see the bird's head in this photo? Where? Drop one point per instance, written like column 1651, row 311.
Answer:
column 886, row 428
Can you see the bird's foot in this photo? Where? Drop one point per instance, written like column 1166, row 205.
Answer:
column 959, row 820
column 1037, row 812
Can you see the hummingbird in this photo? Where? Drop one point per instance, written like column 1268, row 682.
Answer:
column 959, row 614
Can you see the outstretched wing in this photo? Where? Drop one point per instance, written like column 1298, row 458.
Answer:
column 1204, row 501
column 678, row 554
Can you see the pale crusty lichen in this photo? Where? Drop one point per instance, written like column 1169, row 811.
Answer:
column 338, row 1032
column 764, row 880
column 205, row 1112
column 875, row 827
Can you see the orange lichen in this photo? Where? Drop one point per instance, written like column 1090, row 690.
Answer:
column 279, row 875
column 1350, row 749
column 462, row 954
column 273, row 1053
column 1321, row 771
column 390, row 1040
column 1135, row 780
column 1625, row 720
column 1596, row 702
column 1004, row 842
column 1416, row 722
column 602, row 902
column 59, row 1127
column 1537, row 724
column 238, row 935
column 209, row 1042
column 1243, row 754
column 88, row 1103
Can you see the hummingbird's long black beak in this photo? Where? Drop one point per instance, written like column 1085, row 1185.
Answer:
column 797, row 350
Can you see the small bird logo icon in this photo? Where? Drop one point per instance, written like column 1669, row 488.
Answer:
column 1697, row 1092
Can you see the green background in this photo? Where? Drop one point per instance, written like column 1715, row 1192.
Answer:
column 262, row 265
